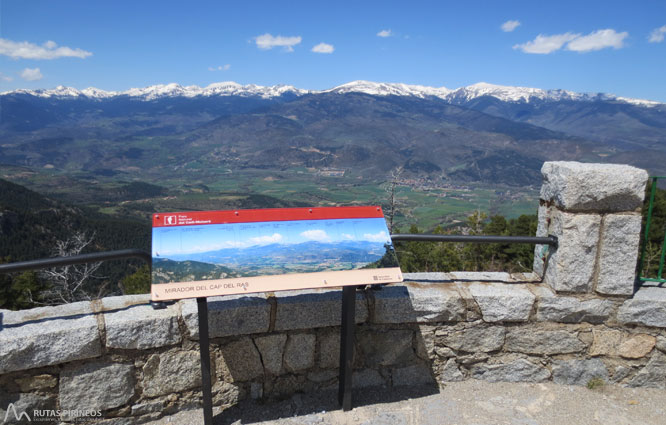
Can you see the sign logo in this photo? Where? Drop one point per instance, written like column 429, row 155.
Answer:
column 17, row 416
column 170, row 220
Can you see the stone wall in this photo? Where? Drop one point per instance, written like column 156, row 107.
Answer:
column 580, row 323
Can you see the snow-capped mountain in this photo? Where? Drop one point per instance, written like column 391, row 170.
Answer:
column 230, row 88
column 468, row 93
column 514, row 94
column 96, row 93
column 527, row 94
column 389, row 89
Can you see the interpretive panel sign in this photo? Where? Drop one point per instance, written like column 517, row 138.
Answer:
column 202, row 254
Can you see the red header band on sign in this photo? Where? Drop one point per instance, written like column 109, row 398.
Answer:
column 271, row 214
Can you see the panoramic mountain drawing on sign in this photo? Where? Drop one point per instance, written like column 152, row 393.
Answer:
column 244, row 251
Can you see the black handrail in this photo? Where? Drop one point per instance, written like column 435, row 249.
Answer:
column 535, row 240
column 75, row 259
column 145, row 256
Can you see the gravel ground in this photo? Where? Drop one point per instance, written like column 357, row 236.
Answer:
column 461, row 403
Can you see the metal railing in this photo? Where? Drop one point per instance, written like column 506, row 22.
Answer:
column 647, row 246
column 94, row 257
column 44, row 263
column 145, row 256
column 534, row 240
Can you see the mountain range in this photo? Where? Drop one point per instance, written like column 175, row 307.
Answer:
column 304, row 257
column 305, row 252
column 482, row 133
column 230, row 88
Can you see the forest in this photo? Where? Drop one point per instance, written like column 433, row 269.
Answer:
column 447, row 256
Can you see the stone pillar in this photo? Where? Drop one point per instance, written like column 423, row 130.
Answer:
column 595, row 211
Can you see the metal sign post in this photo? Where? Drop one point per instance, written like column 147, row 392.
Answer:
column 346, row 352
column 347, row 346
column 204, row 351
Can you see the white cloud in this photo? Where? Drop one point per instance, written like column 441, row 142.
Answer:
column 31, row 74
column 385, row 33
column 48, row 50
column 264, row 240
column 348, row 237
column 226, row 67
column 544, row 44
column 381, row 236
column 509, row 26
column 323, row 48
column 5, row 77
column 657, row 35
column 598, row 40
column 316, row 235
column 268, row 41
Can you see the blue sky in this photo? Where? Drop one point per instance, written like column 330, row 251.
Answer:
column 210, row 237
column 609, row 46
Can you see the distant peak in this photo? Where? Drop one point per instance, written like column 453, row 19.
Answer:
column 388, row 89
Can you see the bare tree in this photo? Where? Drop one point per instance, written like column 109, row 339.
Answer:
column 394, row 178
column 652, row 253
column 67, row 283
